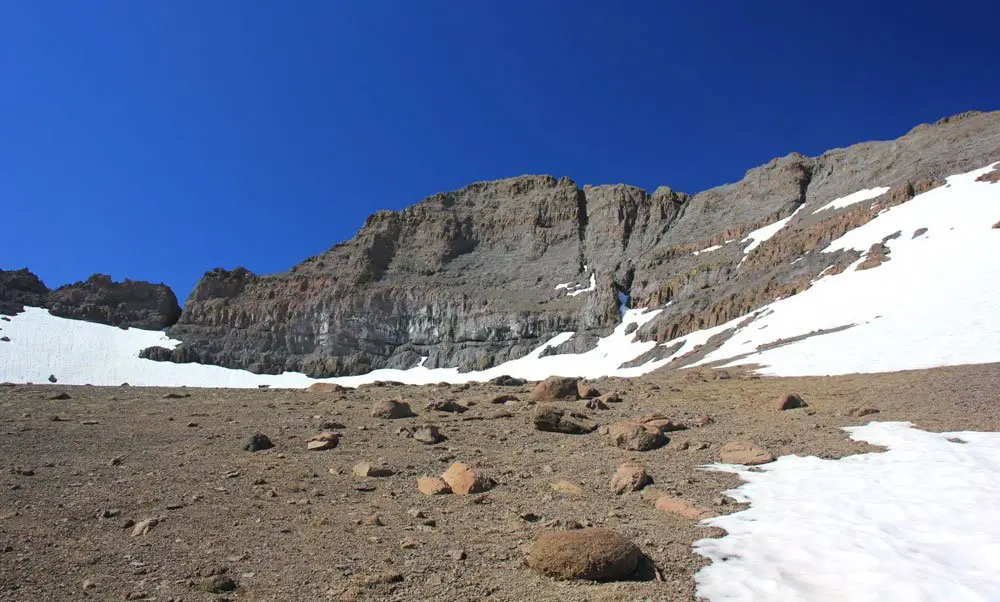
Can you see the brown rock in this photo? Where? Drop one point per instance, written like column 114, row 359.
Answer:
column 596, row 404
column 703, row 420
column 503, row 399
column 550, row 419
column 365, row 470
column 630, row 476
column 507, row 381
column 390, row 409
column 662, row 423
column 566, row 487
column 789, row 401
column 744, row 452
column 218, row 584
column 463, row 479
column 611, row 398
column 442, row 405
column 324, row 440
column 681, row 507
column 432, row 486
column 636, row 436
column 862, row 411
column 594, row 554
column 325, row 388
column 556, row 388
column 586, row 391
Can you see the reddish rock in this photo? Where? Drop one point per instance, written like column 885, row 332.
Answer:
column 681, row 507
column 432, row 486
column 585, row 391
column 325, row 388
column 862, row 411
column 635, row 436
column 390, row 409
column 630, row 476
column 324, row 440
column 556, row 388
column 463, row 479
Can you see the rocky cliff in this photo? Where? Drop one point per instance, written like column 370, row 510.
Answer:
column 131, row 303
column 484, row 274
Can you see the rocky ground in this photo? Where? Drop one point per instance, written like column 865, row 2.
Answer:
column 129, row 493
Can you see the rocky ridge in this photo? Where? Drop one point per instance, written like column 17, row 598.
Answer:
column 132, row 303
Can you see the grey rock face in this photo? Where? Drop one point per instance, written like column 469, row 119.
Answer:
column 468, row 278
column 131, row 303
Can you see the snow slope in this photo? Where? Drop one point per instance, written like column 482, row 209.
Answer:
column 762, row 235
column 917, row 523
column 935, row 303
column 854, row 198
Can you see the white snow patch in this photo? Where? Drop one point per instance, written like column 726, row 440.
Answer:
column 78, row 353
column 934, row 303
column 591, row 288
column 564, row 285
column 917, row 522
column 761, row 235
column 853, row 198
column 707, row 250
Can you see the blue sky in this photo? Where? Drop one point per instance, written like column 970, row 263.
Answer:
column 157, row 140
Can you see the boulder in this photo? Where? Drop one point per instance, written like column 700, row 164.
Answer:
column 789, row 401
column 594, row 554
column 681, row 507
column 442, row 405
column 258, row 442
column 585, row 390
column 325, row 388
column 324, row 440
column 550, row 419
column 632, row 435
column 390, row 409
column 556, row 388
column 507, row 381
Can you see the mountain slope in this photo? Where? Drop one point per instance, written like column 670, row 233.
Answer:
column 471, row 278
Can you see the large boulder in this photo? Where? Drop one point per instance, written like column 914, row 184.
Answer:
column 744, row 452
column 633, row 435
column 594, row 554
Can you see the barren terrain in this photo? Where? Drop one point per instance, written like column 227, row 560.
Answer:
column 80, row 474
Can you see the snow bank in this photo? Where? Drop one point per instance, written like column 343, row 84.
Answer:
column 916, row 523
column 853, row 198
column 79, row 353
column 762, row 235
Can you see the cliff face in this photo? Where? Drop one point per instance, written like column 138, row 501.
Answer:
column 131, row 303
column 471, row 278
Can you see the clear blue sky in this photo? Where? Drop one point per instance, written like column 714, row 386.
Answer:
column 156, row 140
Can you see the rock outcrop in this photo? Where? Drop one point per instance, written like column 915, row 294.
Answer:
column 132, row 303
column 487, row 273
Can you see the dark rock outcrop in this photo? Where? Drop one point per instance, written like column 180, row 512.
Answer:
column 132, row 303
column 469, row 278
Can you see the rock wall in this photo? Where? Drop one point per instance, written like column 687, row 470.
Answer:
column 469, row 278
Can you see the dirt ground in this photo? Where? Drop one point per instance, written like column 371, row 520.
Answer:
column 293, row 524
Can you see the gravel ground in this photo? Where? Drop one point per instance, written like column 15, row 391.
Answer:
column 292, row 524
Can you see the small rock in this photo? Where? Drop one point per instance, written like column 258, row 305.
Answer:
column 549, row 418
column 630, row 476
column 218, row 584
column 325, row 388
column 144, row 526
column 596, row 404
column 383, row 579
column 507, row 381
column 456, row 554
column 703, row 420
column 744, row 452
column 367, row 469
column 446, row 406
column 789, row 401
column 681, row 507
column 611, row 398
column 503, row 399
column 53, row 379
column 324, row 440
column 176, row 396
column 60, row 396
column 88, row 584
column 862, row 411
column 566, row 487
column 415, row 513
column 432, row 486
column 463, row 479
column 390, row 409
column 374, row 521
column 556, row 388
column 258, row 442
column 409, row 544
column 594, row 554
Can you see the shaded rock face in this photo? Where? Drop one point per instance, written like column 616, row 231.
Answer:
column 468, row 278
column 132, row 303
